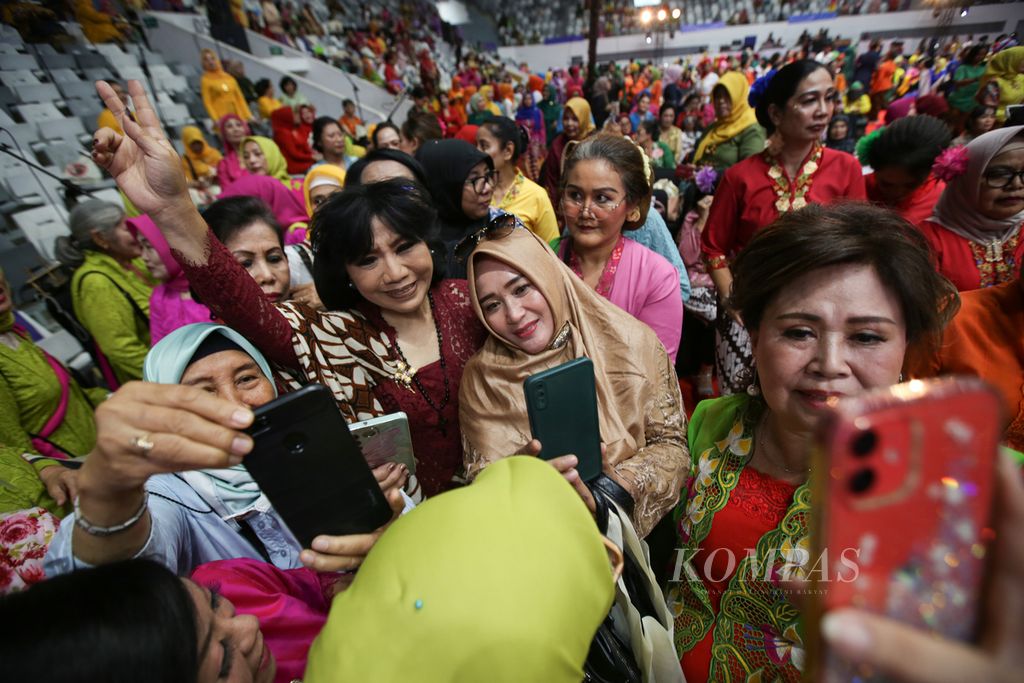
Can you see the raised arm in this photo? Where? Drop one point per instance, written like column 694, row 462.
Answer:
column 149, row 172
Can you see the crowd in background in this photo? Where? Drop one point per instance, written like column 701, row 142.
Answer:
column 733, row 240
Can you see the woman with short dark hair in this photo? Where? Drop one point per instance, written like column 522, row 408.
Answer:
column 832, row 309
column 407, row 338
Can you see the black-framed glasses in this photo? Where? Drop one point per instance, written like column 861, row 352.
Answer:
column 1002, row 178
column 498, row 228
column 481, row 181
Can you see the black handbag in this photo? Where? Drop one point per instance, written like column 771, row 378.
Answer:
column 609, row 660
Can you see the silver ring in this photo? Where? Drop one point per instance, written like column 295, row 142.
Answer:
column 143, row 443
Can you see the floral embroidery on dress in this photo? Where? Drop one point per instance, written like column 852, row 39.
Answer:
column 24, row 537
column 996, row 261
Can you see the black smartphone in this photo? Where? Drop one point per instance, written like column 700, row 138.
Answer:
column 311, row 469
column 562, row 405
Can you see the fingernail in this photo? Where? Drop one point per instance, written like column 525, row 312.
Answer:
column 241, row 445
column 846, row 631
column 234, row 459
column 320, row 544
column 242, row 417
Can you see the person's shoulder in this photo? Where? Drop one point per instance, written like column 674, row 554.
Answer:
column 654, row 264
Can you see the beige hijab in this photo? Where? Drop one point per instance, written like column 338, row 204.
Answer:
column 626, row 353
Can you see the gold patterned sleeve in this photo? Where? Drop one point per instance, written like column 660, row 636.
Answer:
column 658, row 470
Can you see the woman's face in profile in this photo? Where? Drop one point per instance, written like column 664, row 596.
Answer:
column 512, row 306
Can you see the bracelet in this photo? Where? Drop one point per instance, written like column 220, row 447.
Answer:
column 96, row 530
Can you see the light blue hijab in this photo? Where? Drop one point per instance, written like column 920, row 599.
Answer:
column 231, row 491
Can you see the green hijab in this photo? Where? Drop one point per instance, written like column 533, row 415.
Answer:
column 231, row 490
column 505, row 580
column 277, row 166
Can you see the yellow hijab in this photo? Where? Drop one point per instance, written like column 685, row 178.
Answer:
column 740, row 118
column 205, row 162
column 1004, row 69
column 321, row 174
column 581, row 110
column 502, row 581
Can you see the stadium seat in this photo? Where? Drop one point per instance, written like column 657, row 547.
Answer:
column 16, row 62
column 62, row 129
column 64, row 76
column 38, row 93
column 41, row 226
column 39, row 112
column 57, row 61
column 20, row 77
column 91, row 60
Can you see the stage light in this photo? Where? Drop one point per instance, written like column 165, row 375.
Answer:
column 648, row 38
column 662, row 14
column 645, row 16
column 676, row 13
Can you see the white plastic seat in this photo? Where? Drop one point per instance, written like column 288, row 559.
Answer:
column 20, row 77
column 64, row 76
column 62, row 129
column 40, row 112
column 46, row 92
column 42, row 226
column 17, row 62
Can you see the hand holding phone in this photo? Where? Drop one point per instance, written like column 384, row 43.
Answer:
column 310, row 468
column 902, row 484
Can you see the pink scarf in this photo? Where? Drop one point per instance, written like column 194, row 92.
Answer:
column 167, row 309
column 230, row 168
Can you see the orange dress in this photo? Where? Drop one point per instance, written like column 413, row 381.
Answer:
column 986, row 339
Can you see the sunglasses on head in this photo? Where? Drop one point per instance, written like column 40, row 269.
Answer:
column 499, row 227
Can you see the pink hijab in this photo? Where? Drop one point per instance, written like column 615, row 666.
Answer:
column 167, row 309
column 230, row 167
column 288, row 206
column 957, row 210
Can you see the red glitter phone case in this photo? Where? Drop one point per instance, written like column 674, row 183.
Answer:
column 902, row 484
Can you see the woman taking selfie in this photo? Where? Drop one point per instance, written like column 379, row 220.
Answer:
column 794, row 171
column 540, row 314
column 832, row 309
column 396, row 336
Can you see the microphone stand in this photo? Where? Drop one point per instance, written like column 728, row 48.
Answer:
column 398, row 103
column 71, row 191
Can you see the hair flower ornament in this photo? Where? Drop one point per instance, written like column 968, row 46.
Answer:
column 706, row 179
column 951, row 164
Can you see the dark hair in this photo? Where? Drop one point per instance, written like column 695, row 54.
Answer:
column 664, row 107
column 417, row 92
column 977, row 113
column 228, row 216
column 781, row 87
column 342, row 232
column 819, row 236
column 912, row 142
column 627, row 159
column 287, row 80
column 319, row 125
column 652, row 128
column 508, row 132
column 381, row 126
column 108, row 623
column 421, row 127
column 345, row 102
column 262, row 86
column 354, row 175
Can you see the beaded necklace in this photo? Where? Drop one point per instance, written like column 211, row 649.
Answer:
column 793, row 197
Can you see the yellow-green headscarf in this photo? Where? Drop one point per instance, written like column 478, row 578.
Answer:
column 505, row 580
column 740, row 118
column 277, row 167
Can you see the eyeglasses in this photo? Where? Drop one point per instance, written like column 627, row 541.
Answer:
column 482, row 181
column 499, row 227
column 599, row 207
column 1002, row 178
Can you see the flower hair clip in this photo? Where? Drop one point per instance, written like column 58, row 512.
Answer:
column 951, row 164
column 706, row 178
column 648, row 169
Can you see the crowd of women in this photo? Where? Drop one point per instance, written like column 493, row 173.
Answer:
column 430, row 269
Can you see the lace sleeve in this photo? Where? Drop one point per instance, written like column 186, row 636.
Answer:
column 658, row 471
column 234, row 297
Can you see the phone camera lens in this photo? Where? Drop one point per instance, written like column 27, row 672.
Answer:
column 862, row 480
column 864, row 443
